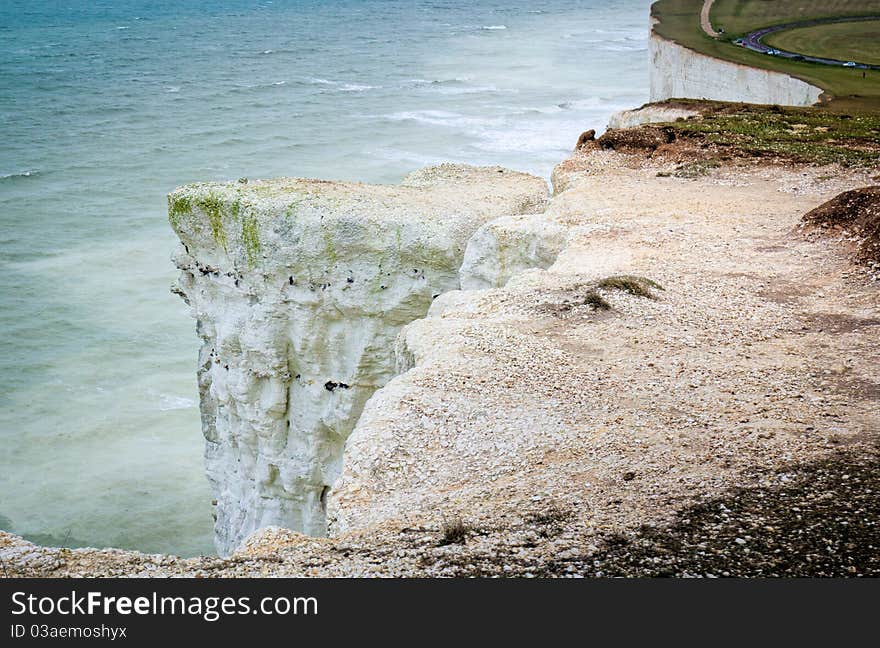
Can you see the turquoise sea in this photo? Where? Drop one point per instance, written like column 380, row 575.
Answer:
column 106, row 105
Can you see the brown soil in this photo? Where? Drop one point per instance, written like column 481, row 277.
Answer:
column 644, row 138
column 857, row 212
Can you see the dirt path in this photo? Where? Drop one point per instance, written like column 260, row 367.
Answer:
column 705, row 23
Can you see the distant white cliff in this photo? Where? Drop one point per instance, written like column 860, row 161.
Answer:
column 299, row 289
column 679, row 72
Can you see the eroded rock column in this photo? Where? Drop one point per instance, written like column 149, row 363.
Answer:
column 299, row 288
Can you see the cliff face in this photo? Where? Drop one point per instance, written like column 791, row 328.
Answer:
column 679, row 72
column 299, row 288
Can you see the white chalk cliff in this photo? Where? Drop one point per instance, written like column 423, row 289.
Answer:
column 299, row 289
column 680, row 72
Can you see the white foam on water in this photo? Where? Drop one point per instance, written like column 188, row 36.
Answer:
column 357, row 87
column 168, row 402
column 443, row 118
column 18, row 174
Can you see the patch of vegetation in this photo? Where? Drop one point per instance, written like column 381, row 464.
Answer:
column 552, row 514
column 596, row 301
column 177, row 207
column 329, row 247
column 550, row 520
column 809, row 135
column 679, row 20
column 454, row 531
column 632, row 284
column 250, row 236
column 213, row 206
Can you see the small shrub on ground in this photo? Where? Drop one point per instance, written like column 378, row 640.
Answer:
column 453, row 531
column 632, row 284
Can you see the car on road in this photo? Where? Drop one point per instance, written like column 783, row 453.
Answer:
column 772, row 52
column 849, row 64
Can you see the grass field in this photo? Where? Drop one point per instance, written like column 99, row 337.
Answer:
column 680, row 21
column 739, row 17
column 846, row 42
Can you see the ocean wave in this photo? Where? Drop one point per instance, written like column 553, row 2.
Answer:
column 250, row 87
column 442, row 118
column 471, row 90
column 453, row 80
column 455, row 86
column 341, row 86
column 581, row 104
column 411, row 158
column 168, row 403
column 18, row 174
column 357, row 87
column 642, row 47
column 492, row 27
column 542, row 137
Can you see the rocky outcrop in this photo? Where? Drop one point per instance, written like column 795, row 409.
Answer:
column 508, row 245
column 649, row 115
column 299, row 288
column 677, row 71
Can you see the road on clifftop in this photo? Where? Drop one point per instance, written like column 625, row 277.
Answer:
column 753, row 41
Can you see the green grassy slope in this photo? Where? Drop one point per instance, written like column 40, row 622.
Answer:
column 844, row 41
column 739, row 17
column 679, row 20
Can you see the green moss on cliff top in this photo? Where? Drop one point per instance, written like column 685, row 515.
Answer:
column 250, row 236
column 804, row 135
column 177, row 207
column 810, row 135
column 212, row 205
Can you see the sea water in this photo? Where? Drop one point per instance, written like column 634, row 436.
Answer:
column 106, row 105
